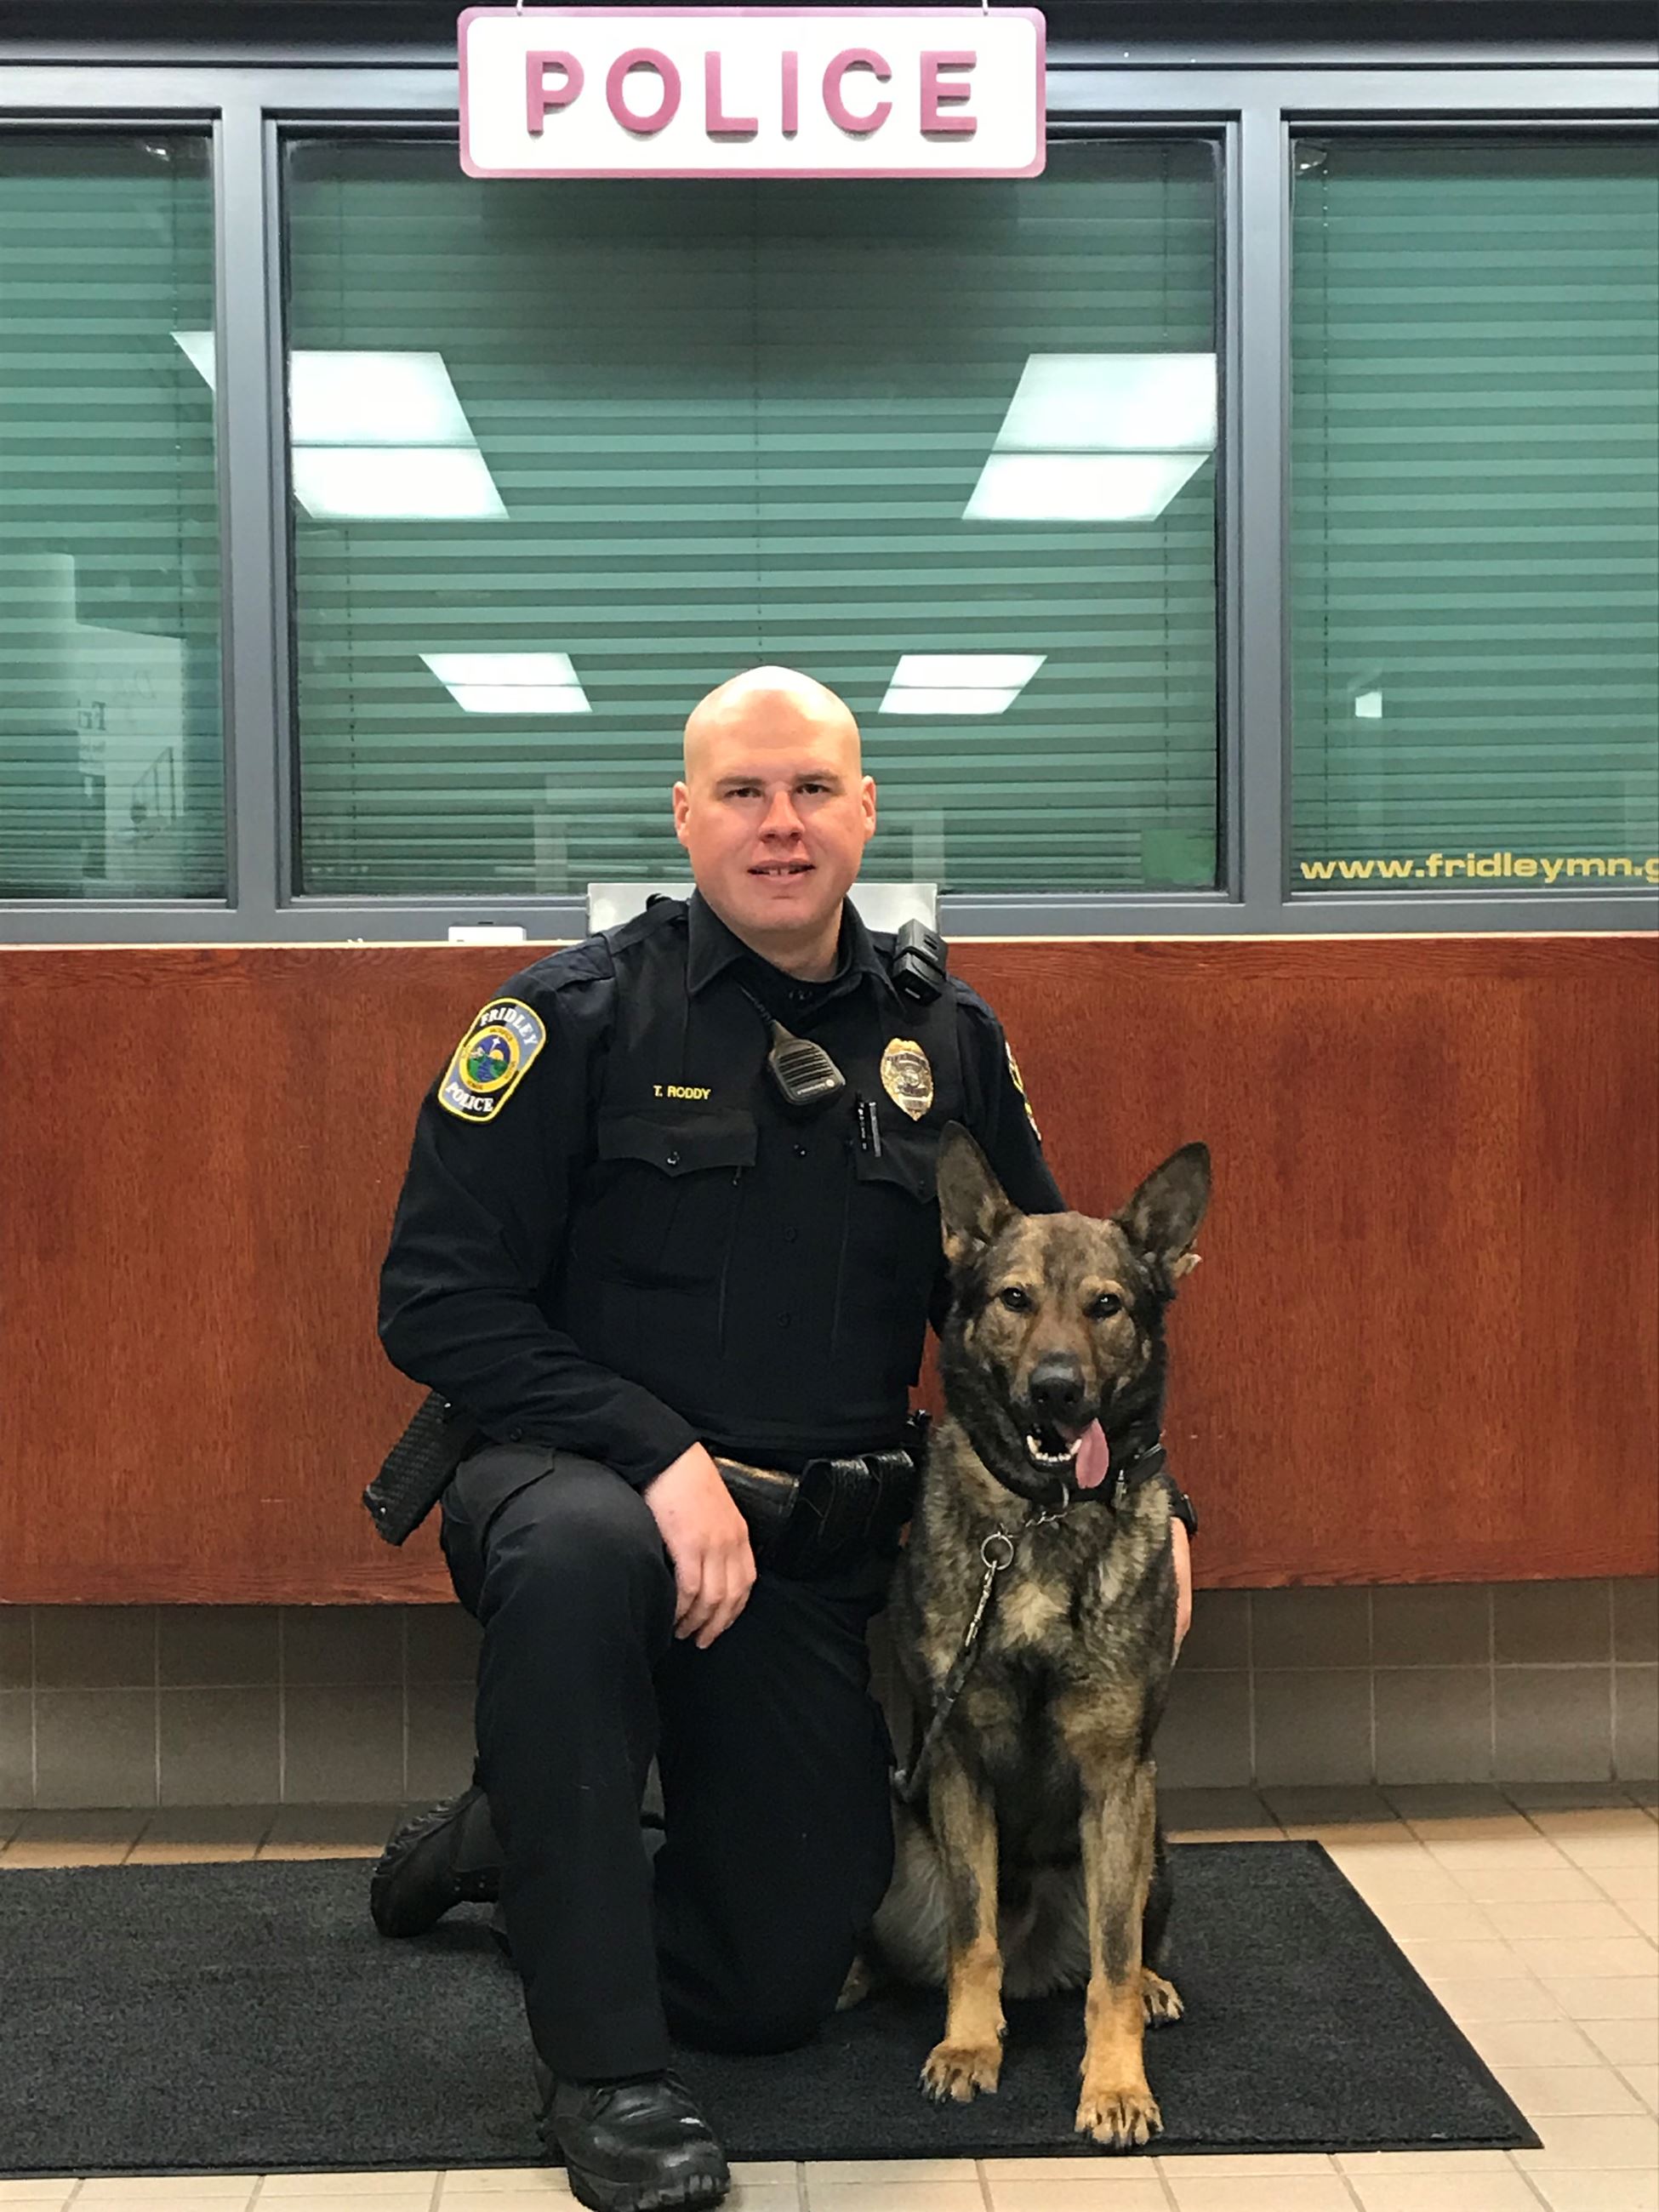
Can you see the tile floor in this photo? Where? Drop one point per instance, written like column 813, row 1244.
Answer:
column 1534, row 1913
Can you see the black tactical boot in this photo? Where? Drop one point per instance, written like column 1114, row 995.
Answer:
column 639, row 2146
column 446, row 1856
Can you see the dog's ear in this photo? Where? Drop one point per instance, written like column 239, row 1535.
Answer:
column 1162, row 1217
column 973, row 1209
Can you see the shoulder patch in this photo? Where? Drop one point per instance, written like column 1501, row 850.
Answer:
column 1019, row 1086
column 491, row 1060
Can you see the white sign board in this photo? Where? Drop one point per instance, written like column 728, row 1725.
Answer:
column 751, row 92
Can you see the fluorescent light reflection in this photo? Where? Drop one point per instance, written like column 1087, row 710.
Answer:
column 1368, row 706
column 358, row 483
column 1098, row 437
column 958, row 683
column 510, row 683
column 1112, row 403
column 1079, row 487
column 376, row 436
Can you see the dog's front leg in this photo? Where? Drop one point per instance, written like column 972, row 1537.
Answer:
column 1116, row 2107
column 962, row 1819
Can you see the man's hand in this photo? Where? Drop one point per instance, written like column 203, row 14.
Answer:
column 708, row 1540
column 1183, row 1574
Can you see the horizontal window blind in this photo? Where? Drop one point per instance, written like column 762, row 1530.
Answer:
column 675, row 430
column 111, row 777
column 1476, row 512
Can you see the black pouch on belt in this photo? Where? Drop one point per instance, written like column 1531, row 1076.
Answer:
column 418, row 1465
column 834, row 1511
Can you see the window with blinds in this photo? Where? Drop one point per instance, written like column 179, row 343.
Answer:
column 1476, row 513
column 111, row 758
column 567, row 455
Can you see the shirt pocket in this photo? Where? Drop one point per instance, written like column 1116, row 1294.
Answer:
column 671, row 1186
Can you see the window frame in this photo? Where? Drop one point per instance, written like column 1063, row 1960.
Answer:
column 1253, row 113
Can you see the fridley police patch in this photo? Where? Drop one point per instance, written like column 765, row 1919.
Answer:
column 1019, row 1086
column 492, row 1059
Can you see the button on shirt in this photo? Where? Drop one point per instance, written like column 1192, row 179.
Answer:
column 613, row 1260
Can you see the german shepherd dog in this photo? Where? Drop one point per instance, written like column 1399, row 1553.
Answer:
column 1034, row 1860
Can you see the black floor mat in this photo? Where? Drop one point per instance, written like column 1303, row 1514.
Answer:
column 248, row 2018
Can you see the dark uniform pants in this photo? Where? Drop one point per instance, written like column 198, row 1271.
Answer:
column 773, row 1757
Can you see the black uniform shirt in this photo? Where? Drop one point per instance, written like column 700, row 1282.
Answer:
column 615, row 1237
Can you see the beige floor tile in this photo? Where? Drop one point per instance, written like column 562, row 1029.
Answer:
column 1455, row 1847
column 44, row 2196
column 1267, row 2165
column 159, row 2193
column 1407, row 1917
column 907, row 2195
column 1613, row 1956
column 390, row 2203
column 759, row 2197
column 330, row 1831
column 1628, row 1847
column 279, row 2188
column 1469, row 2001
column 1623, row 1882
column 1625, row 2042
column 1421, row 1883
column 1356, row 2162
column 1057, row 2175
column 96, row 1838
column 210, row 1824
column 555, row 2194
column 1534, row 2043
column 872, row 2172
column 1598, row 2192
column 1446, row 2192
column 1566, row 1921
column 1642, row 1912
column 1473, row 1960
column 1432, row 1803
column 1595, row 1821
column 1555, row 1882
column 1644, row 2080
column 1573, row 2145
column 1218, row 2192
column 1620, row 1997
column 1380, row 1834
column 1563, row 2091
column 499, row 2181
column 1132, row 2187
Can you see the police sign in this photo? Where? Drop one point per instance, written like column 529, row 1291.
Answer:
column 751, row 92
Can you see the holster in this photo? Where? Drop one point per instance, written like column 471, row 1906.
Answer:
column 416, row 1469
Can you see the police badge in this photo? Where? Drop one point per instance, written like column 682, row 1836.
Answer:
column 906, row 1077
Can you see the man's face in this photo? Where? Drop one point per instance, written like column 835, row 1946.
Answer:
column 775, row 814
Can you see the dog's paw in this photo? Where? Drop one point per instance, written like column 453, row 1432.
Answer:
column 959, row 2071
column 1117, row 2115
column 1160, row 2000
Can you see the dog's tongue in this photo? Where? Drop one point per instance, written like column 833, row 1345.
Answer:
column 1094, row 1457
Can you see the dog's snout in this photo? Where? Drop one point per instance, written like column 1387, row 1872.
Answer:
column 1056, row 1387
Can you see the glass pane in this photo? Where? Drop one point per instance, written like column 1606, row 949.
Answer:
column 949, row 447
column 1476, row 514
column 111, row 756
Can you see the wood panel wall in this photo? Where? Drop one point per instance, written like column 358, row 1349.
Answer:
column 1421, row 1348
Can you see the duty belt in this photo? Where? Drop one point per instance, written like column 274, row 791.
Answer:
column 834, row 1511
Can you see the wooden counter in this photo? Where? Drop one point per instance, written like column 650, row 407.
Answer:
column 1421, row 1348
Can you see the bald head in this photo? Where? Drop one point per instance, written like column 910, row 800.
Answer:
column 766, row 703
column 775, row 812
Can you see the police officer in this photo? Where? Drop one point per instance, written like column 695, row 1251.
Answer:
column 627, row 1243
